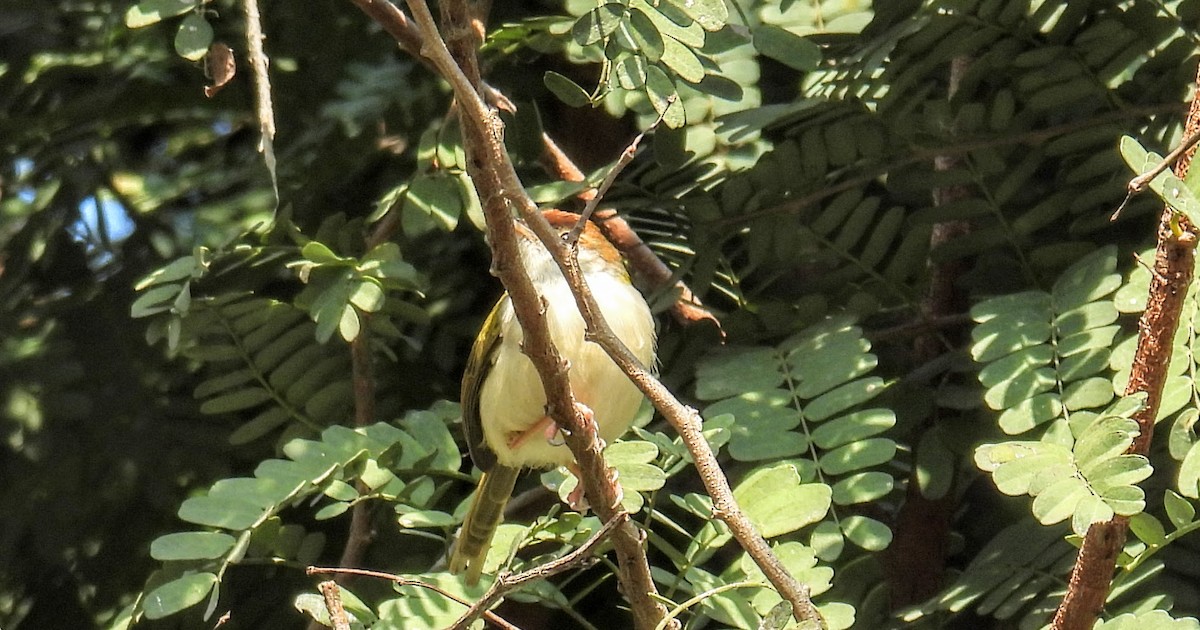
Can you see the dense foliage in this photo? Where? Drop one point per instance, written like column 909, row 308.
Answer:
column 900, row 213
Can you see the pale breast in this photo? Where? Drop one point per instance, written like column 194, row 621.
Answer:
column 512, row 398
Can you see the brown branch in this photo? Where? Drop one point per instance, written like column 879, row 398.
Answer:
column 393, row 20
column 499, row 188
column 262, row 89
column 1174, row 261
column 507, row 582
column 560, row 165
column 333, row 604
column 916, row 560
column 491, row 617
column 359, row 535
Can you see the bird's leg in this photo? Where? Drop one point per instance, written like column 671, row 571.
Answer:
column 545, row 426
column 549, row 429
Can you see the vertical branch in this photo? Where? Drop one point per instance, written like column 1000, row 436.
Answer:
column 262, row 89
column 359, row 535
column 915, row 561
column 333, row 605
column 1174, row 262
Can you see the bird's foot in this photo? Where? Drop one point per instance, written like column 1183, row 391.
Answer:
column 576, row 499
column 549, row 429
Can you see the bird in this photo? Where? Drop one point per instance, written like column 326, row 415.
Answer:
column 503, row 402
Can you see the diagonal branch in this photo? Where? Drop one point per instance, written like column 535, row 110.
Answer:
column 507, row 582
column 500, row 188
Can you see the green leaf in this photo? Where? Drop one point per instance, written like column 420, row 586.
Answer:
column 631, row 72
column 711, row 15
column 566, row 90
column 862, row 488
column 321, row 254
column 1088, row 280
column 149, row 12
column 427, row 519
column 1088, row 394
column 1090, row 510
column 1147, row 620
column 794, row 51
column 223, row 382
column 332, row 510
column 1166, row 185
column 867, row 533
column 936, row 466
column 1179, row 510
column 853, row 428
column 682, row 60
column 646, row 35
column 191, row 546
column 827, row 541
column 194, row 37
column 1148, row 529
column 858, row 455
column 1058, row 501
column 244, row 398
column 367, row 295
column 224, row 513
column 437, row 199
column 732, row 371
column 777, row 502
column 262, row 424
column 1029, row 413
column 179, row 269
column 598, row 23
column 154, row 300
column 842, row 398
column 1106, row 438
column 1003, row 336
column 1189, row 473
column 660, row 89
column 177, row 595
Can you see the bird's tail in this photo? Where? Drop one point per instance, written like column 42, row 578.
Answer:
column 483, row 517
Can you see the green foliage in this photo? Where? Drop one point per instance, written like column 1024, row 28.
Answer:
column 900, row 211
column 1039, row 352
column 1087, row 482
column 245, row 510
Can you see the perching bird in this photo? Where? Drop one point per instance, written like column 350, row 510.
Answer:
column 503, row 403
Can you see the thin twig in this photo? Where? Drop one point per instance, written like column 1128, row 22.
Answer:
column 491, row 617
column 333, row 604
column 626, row 157
column 687, row 308
column 1139, row 183
column 508, row 582
column 262, row 89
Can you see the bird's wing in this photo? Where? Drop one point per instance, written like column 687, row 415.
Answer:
column 483, row 356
